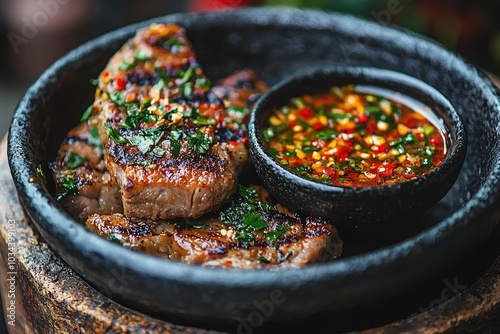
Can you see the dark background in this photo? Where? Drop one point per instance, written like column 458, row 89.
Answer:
column 471, row 28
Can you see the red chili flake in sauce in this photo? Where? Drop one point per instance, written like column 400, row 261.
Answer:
column 352, row 138
column 120, row 84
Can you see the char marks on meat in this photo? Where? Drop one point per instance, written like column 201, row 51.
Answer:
column 158, row 122
column 278, row 239
column 160, row 147
column 83, row 184
column 96, row 191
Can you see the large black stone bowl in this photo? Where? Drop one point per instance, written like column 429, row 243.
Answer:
column 366, row 211
column 275, row 43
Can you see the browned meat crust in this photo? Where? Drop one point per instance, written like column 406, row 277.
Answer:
column 287, row 240
column 240, row 91
column 83, row 183
column 96, row 191
column 158, row 122
column 174, row 149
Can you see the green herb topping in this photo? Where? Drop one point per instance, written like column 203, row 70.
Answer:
column 73, row 160
column 41, row 175
column 113, row 238
column 199, row 142
column 244, row 215
column 68, row 183
column 87, row 113
column 114, row 134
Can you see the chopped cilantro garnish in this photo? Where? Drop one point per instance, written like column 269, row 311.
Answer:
column 68, row 183
column 244, row 214
column 94, row 138
column 142, row 163
column 203, row 83
column 126, row 66
column 94, row 82
column 117, row 98
column 114, row 239
column 132, row 120
column 175, row 144
column 41, row 174
column 158, row 151
column 114, row 134
column 273, row 236
column 263, row 259
column 174, row 41
column 265, row 206
column 141, row 55
column 249, row 194
column 147, row 138
column 87, row 113
column 188, row 89
column 165, row 79
column 252, row 220
column 73, row 160
column 200, row 142
column 187, row 75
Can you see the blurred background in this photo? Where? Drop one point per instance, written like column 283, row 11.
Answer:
column 37, row 32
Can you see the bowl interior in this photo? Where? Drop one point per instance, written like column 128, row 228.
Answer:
column 384, row 212
column 320, row 81
column 263, row 40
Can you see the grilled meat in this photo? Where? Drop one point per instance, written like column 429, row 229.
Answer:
column 241, row 90
column 160, row 144
column 159, row 125
column 87, row 188
column 83, row 184
column 248, row 233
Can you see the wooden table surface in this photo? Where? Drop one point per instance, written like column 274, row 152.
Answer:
column 41, row 294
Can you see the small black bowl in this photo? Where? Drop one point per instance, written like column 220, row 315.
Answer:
column 363, row 210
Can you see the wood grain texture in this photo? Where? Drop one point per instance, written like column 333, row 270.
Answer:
column 51, row 298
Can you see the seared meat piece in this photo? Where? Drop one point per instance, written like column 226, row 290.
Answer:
column 240, row 91
column 158, row 123
column 249, row 233
column 96, row 192
column 83, row 183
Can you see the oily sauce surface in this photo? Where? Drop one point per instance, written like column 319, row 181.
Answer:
column 354, row 138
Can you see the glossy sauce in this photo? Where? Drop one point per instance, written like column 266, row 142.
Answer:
column 357, row 136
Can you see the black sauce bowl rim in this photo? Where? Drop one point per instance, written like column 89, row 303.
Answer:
column 453, row 125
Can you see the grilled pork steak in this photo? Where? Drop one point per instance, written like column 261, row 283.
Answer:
column 84, row 186
column 248, row 233
column 168, row 141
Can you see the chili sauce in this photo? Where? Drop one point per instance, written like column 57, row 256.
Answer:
column 357, row 136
